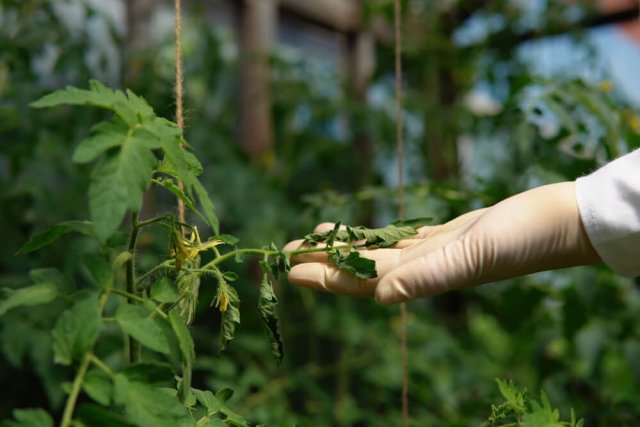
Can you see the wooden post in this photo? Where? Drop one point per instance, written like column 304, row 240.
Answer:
column 258, row 26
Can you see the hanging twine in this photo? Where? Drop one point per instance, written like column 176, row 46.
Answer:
column 179, row 95
column 400, row 157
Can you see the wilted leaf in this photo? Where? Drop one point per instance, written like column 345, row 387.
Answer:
column 363, row 268
column 267, row 308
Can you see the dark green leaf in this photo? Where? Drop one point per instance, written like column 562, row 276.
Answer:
column 363, row 268
column 142, row 328
column 98, row 386
column 154, row 373
column 41, row 293
column 76, row 331
column 207, row 206
column 95, row 416
column 267, row 308
column 386, row 236
column 224, row 394
column 147, row 406
column 30, row 418
column 228, row 239
column 51, row 234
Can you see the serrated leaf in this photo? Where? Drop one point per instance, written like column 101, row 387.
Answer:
column 51, row 234
column 143, row 329
column 362, row 268
column 150, row 406
column 98, row 386
column 40, row 293
column 103, row 136
column 30, row 418
column 98, row 95
column 76, row 331
column 413, row 222
column 381, row 237
column 187, row 350
column 268, row 310
column 153, row 373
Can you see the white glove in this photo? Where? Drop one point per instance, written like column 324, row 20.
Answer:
column 536, row 230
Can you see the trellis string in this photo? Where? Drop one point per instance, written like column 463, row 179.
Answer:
column 400, row 159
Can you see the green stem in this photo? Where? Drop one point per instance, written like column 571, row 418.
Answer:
column 103, row 366
column 130, row 280
column 70, row 406
column 152, row 221
column 165, row 265
column 128, row 295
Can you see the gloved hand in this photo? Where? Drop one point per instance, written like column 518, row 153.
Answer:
column 536, row 230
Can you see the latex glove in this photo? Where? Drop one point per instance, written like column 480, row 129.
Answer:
column 536, row 230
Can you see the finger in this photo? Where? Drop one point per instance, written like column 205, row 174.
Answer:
column 329, row 278
column 327, row 226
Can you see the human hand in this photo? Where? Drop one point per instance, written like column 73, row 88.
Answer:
column 536, row 230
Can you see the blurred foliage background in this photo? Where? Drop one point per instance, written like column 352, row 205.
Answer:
column 484, row 119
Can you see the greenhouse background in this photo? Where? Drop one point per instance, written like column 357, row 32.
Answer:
column 290, row 108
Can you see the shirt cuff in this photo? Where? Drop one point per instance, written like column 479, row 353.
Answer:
column 609, row 204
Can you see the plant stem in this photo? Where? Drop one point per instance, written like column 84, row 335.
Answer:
column 128, row 295
column 152, row 221
column 165, row 265
column 130, row 280
column 70, row 406
column 103, row 366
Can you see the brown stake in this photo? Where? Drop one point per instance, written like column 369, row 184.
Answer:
column 179, row 95
column 400, row 157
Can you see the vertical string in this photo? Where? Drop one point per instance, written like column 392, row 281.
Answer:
column 400, row 158
column 179, row 95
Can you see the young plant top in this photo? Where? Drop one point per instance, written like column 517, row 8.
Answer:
column 149, row 383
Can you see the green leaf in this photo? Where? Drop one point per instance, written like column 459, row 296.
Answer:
column 142, row 328
column 207, row 206
column 362, row 268
column 99, row 269
column 131, row 110
column 51, row 234
column 153, row 373
column 76, row 331
column 98, row 386
column 187, row 349
column 108, row 197
column 164, row 291
column 30, row 418
column 40, row 293
column 147, row 406
column 215, row 404
column 224, row 394
column 267, row 308
column 413, row 222
column 170, row 185
column 95, row 416
column 380, row 237
column 103, row 136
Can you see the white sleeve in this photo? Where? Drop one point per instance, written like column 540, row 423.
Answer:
column 609, row 203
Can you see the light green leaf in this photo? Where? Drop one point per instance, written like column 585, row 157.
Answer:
column 134, row 322
column 267, row 308
column 51, row 234
column 40, row 293
column 98, row 386
column 76, row 331
column 30, row 418
column 187, row 349
column 147, row 406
